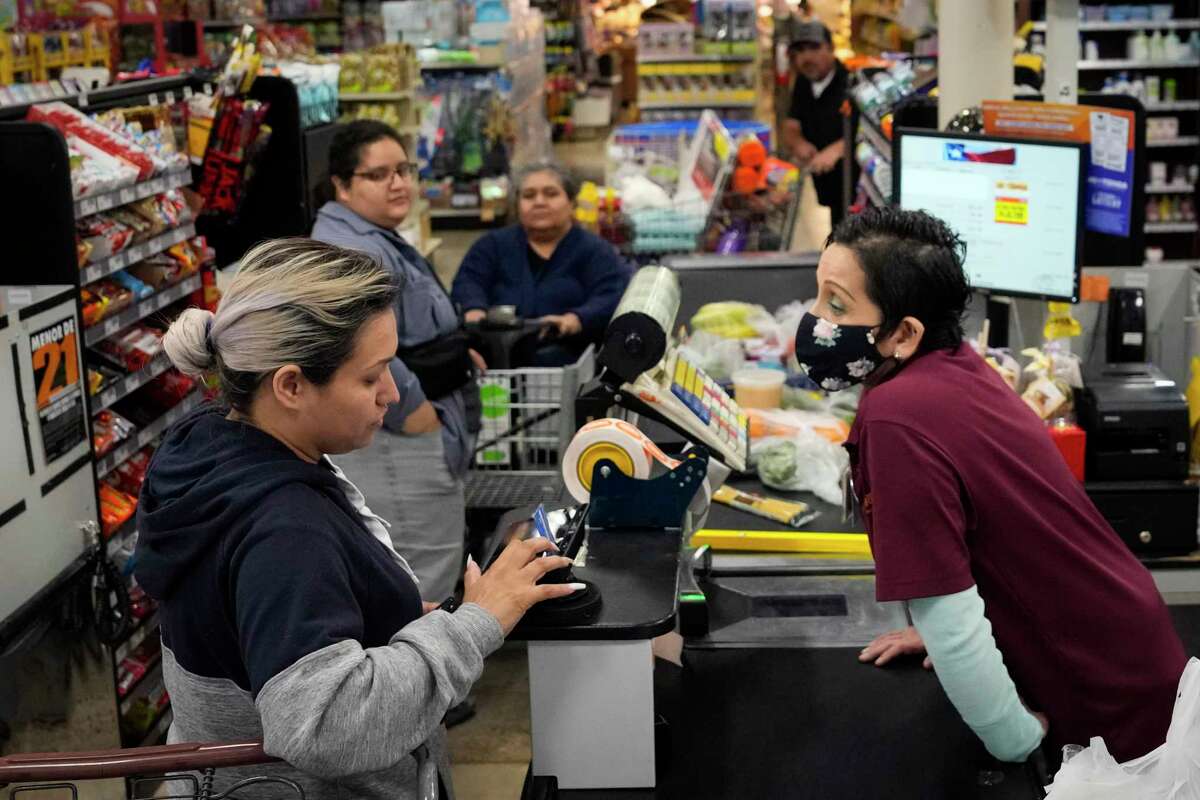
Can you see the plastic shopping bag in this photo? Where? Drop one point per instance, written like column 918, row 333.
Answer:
column 1171, row 772
column 804, row 462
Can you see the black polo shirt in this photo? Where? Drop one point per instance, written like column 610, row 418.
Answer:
column 820, row 121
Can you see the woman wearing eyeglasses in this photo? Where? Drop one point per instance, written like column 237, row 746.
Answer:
column 415, row 476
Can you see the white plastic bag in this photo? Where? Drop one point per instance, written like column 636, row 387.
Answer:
column 805, row 462
column 1171, row 772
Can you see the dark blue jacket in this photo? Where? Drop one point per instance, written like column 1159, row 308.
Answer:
column 583, row 276
column 257, row 557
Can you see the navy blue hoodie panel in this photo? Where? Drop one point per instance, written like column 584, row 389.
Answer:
column 256, row 556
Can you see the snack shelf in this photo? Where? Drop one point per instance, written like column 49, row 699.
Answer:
column 1178, row 141
column 376, row 97
column 302, row 18
column 154, row 666
column 86, row 206
column 137, row 635
column 147, row 434
column 1170, row 188
column 1132, row 25
column 138, row 252
column 700, row 104
column 875, row 137
column 1138, row 63
column 1171, row 227
column 135, row 313
column 1174, row 105
column 131, row 383
column 159, row 728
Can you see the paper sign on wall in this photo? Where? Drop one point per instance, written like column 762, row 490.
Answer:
column 1108, row 200
column 56, row 379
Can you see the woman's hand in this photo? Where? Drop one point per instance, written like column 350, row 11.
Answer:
column 893, row 645
column 475, row 315
column 561, row 325
column 510, row 588
column 478, row 361
column 423, row 419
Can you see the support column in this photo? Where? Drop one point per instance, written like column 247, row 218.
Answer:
column 975, row 50
column 1062, row 52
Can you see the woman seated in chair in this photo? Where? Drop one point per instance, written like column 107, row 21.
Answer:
column 548, row 267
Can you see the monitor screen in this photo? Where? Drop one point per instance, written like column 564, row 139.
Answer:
column 1017, row 204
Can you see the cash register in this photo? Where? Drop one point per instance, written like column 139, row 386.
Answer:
column 1137, row 457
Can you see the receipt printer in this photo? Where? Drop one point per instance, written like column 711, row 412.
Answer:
column 1137, row 424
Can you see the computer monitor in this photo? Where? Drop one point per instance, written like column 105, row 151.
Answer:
column 1017, row 203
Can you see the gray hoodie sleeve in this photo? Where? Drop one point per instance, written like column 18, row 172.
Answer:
column 344, row 710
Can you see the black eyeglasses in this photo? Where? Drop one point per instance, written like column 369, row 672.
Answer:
column 407, row 171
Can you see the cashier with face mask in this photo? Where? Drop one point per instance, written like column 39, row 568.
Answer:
column 1038, row 620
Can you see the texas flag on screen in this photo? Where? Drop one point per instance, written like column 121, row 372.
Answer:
column 980, row 153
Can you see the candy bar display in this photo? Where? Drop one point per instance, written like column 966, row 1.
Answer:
column 109, row 429
column 116, row 508
column 237, row 129
column 136, row 665
column 134, row 348
column 103, row 299
column 103, row 236
column 77, row 125
column 151, row 129
column 131, row 473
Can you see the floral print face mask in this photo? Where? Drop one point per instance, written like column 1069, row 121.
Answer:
column 836, row 357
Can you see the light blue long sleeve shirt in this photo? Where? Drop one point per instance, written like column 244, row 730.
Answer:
column 958, row 638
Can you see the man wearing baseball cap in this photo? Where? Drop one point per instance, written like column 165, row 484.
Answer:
column 812, row 133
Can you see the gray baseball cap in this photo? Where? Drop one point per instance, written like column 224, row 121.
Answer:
column 808, row 33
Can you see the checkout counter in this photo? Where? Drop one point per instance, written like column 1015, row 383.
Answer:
column 771, row 700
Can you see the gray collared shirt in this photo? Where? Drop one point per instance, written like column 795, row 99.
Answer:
column 423, row 312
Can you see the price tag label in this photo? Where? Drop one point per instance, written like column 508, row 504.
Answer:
column 152, row 99
column 83, row 99
column 112, row 326
column 87, row 206
column 145, row 438
column 137, row 253
column 187, row 93
column 208, row 89
column 128, row 194
column 108, row 398
column 163, row 300
column 91, row 274
column 116, row 262
column 132, row 383
column 170, row 98
column 158, row 185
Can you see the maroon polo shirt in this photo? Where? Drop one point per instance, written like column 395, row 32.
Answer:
column 960, row 485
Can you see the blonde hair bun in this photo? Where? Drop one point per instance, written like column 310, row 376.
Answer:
column 187, row 344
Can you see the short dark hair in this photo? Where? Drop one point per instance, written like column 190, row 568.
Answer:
column 345, row 151
column 566, row 178
column 914, row 267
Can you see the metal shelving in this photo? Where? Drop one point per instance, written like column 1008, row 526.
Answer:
column 1132, row 25
column 85, row 206
column 1175, row 105
column 131, row 383
column 136, row 253
column 875, row 137
column 147, row 434
column 1179, row 141
column 139, row 311
column 1171, row 227
column 872, row 191
column 1170, row 188
column 1130, row 63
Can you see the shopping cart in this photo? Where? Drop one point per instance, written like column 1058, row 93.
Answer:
column 528, row 418
column 167, row 772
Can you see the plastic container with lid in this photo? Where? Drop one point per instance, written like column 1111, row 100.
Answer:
column 755, row 387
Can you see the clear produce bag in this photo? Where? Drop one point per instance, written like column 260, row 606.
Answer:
column 1171, row 772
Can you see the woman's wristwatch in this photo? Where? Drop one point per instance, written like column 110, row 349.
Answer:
column 450, row 604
